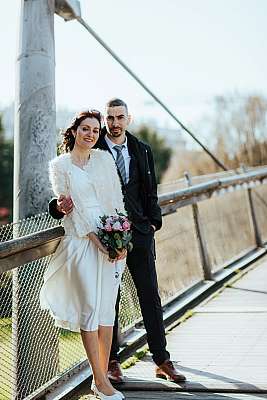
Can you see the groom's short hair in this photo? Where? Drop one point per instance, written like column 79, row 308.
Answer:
column 115, row 102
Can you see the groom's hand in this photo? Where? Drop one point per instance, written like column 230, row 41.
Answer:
column 64, row 204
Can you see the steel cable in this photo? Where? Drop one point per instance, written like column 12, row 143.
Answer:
column 156, row 98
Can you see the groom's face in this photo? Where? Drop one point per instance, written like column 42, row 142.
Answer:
column 117, row 121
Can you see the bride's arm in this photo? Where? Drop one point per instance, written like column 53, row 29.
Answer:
column 95, row 239
column 60, row 184
column 58, row 178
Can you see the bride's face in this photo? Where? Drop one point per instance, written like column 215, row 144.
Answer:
column 87, row 133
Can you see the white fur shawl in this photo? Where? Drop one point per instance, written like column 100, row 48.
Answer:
column 103, row 174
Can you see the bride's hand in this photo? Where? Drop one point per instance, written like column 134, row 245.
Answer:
column 95, row 239
column 121, row 254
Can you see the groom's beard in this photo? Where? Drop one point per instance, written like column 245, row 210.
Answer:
column 116, row 132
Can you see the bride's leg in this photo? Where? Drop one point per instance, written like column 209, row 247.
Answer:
column 91, row 345
column 105, row 340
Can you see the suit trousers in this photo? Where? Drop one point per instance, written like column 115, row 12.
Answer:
column 141, row 264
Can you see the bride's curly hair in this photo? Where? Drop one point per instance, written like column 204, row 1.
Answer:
column 68, row 138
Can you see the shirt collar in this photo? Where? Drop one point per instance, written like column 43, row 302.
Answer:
column 111, row 144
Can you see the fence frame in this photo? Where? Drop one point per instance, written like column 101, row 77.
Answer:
column 16, row 252
column 19, row 251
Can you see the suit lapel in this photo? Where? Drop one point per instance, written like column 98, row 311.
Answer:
column 132, row 153
column 131, row 166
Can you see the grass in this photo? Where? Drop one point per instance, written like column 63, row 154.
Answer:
column 6, row 360
column 71, row 351
column 139, row 354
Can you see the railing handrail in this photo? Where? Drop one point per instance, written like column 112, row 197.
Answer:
column 28, row 248
column 211, row 186
column 30, row 241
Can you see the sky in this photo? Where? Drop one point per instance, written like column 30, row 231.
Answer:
column 186, row 52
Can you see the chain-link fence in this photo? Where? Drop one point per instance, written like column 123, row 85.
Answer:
column 178, row 262
column 260, row 200
column 34, row 352
column 21, row 320
column 227, row 227
column 27, row 226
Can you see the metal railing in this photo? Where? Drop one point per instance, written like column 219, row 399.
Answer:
column 205, row 227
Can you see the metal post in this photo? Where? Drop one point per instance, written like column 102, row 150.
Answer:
column 34, row 339
column 205, row 260
column 68, row 9
column 258, row 239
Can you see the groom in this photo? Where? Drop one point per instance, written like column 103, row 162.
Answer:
column 135, row 166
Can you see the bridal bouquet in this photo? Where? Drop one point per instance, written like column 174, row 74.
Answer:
column 114, row 231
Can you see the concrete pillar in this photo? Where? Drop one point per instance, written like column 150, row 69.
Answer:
column 35, row 114
column 35, row 340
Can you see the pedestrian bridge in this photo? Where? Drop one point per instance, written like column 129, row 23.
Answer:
column 212, row 267
column 220, row 345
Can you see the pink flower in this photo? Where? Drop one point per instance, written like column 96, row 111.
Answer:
column 108, row 227
column 117, row 226
column 126, row 226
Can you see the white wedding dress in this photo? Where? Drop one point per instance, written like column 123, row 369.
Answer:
column 80, row 285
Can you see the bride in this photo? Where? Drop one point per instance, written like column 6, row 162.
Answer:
column 81, row 283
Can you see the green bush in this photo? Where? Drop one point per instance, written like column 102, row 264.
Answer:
column 161, row 152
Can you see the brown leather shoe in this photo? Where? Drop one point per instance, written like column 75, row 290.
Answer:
column 167, row 371
column 115, row 373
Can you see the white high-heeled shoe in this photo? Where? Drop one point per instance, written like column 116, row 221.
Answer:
column 121, row 394
column 116, row 396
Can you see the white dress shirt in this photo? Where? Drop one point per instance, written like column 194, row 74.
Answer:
column 125, row 154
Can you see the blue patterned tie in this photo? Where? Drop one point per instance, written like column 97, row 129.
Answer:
column 120, row 162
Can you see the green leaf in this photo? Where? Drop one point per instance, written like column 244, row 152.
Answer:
column 119, row 244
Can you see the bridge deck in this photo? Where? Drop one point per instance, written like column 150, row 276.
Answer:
column 221, row 349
